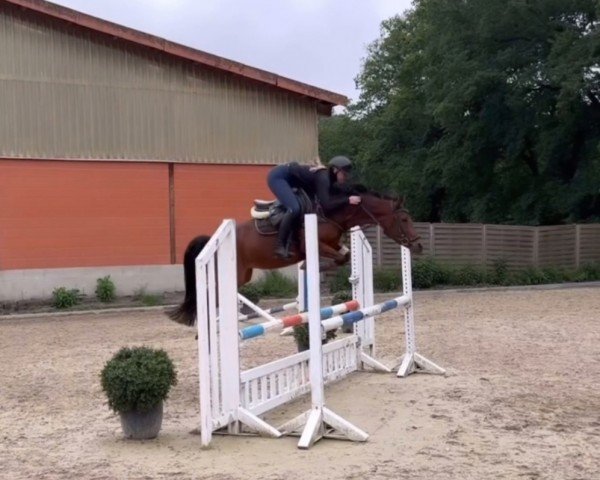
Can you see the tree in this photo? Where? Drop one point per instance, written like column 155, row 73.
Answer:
column 483, row 111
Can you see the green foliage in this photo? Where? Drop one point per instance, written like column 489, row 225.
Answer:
column 301, row 336
column 105, row 289
column 147, row 299
column 275, row 284
column 588, row 273
column 339, row 135
column 529, row 276
column 341, row 297
column 339, row 281
column 467, row 275
column 536, row 276
column 251, row 292
column 151, row 299
column 554, row 275
column 137, row 379
column 63, row 298
column 499, row 273
column 427, row 273
column 387, row 279
column 481, row 111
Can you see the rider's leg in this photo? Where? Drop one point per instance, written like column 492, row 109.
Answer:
column 285, row 233
column 284, row 193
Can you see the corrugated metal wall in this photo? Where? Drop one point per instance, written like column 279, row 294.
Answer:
column 68, row 93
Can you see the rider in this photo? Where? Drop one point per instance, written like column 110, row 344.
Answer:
column 322, row 183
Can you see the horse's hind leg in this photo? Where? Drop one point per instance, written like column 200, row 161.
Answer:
column 326, row 251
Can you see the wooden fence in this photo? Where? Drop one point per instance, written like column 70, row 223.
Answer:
column 479, row 244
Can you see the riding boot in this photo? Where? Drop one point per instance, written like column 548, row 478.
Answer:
column 283, row 236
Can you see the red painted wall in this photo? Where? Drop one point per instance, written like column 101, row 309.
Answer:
column 56, row 214
column 207, row 194
column 79, row 214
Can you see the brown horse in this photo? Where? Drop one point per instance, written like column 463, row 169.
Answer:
column 255, row 250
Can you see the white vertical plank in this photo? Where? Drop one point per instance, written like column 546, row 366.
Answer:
column 314, row 310
column 204, row 375
column 228, row 334
column 409, row 324
column 211, row 288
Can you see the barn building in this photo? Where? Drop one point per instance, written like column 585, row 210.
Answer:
column 117, row 147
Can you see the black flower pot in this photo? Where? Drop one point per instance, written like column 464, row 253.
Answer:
column 142, row 425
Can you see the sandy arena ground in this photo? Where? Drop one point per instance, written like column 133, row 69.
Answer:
column 521, row 399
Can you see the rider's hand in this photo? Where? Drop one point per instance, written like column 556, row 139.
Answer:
column 354, row 200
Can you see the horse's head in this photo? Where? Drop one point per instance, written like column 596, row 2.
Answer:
column 395, row 221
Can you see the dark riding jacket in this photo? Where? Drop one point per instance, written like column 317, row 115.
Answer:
column 317, row 183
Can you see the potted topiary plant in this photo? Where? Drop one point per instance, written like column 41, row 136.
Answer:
column 136, row 382
column 341, row 297
column 301, row 337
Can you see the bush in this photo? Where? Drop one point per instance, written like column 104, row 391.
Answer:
column 137, row 379
column 339, row 281
column 105, row 289
column 387, row 280
column 341, row 297
column 63, row 298
column 301, row 336
column 529, row 276
column 467, row 275
column 553, row 275
column 427, row 273
column 499, row 274
column 251, row 292
column 275, row 284
column 588, row 273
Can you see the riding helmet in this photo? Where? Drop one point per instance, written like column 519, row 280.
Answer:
column 341, row 162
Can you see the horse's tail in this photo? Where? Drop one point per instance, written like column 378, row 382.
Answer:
column 186, row 312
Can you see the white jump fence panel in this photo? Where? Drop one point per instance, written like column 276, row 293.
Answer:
column 218, row 347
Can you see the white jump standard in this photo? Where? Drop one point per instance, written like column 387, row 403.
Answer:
column 231, row 400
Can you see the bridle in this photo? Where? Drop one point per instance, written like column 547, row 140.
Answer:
column 405, row 237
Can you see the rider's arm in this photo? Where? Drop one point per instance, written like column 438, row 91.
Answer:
column 323, row 192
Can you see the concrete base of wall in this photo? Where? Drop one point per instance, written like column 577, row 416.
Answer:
column 16, row 285
column 32, row 284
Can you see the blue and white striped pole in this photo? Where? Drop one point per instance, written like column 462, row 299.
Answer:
column 358, row 315
column 293, row 320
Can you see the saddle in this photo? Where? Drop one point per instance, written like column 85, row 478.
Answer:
column 267, row 214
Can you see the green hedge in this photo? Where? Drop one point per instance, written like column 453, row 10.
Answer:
column 428, row 273
column 273, row 284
